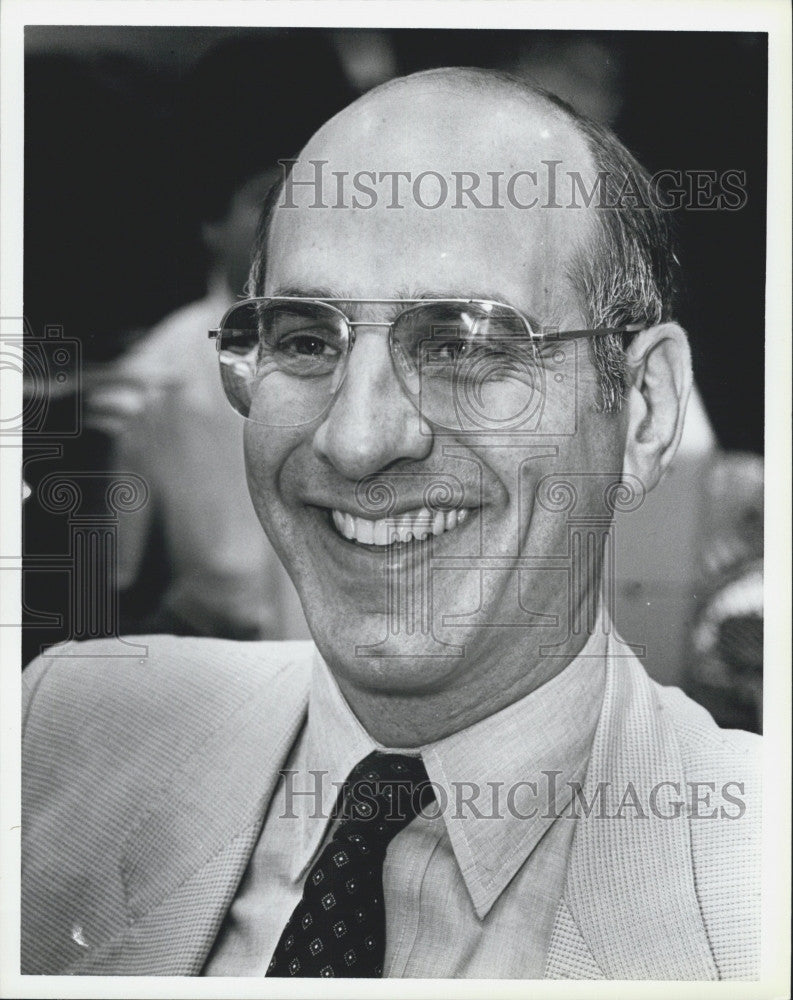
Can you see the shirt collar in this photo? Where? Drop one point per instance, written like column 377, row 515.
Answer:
column 502, row 782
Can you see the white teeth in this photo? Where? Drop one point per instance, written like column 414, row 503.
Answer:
column 380, row 532
column 422, row 523
column 364, row 531
column 401, row 533
column 415, row 524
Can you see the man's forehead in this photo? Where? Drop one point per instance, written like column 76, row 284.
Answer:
column 449, row 122
column 458, row 180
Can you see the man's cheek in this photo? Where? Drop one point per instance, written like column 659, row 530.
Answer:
column 266, row 451
column 261, row 475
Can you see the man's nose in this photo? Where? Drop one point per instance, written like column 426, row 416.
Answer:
column 372, row 423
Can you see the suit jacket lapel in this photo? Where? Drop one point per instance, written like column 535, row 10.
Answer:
column 183, row 861
column 630, row 885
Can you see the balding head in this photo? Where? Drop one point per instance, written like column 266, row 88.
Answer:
column 470, row 161
column 417, row 143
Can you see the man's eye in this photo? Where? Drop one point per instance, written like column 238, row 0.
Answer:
column 303, row 339
column 454, row 350
column 448, row 352
column 485, row 362
column 308, row 345
column 300, row 347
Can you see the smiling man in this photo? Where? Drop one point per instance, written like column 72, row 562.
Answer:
column 446, row 396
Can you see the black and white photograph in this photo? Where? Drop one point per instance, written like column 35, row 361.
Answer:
column 396, row 498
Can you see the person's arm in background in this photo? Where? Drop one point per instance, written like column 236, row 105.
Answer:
column 224, row 578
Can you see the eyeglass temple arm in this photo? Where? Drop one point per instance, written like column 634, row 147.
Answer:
column 603, row 331
column 215, row 334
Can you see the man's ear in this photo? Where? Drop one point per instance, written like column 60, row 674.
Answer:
column 659, row 383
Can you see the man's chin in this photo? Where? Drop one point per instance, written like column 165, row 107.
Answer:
column 377, row 612
column 380, row 663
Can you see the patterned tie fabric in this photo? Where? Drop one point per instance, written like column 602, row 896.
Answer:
column 338, row 927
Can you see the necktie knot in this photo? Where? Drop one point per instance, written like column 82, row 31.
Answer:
column 383, row 793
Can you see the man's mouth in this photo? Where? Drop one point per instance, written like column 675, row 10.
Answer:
column 398, row 529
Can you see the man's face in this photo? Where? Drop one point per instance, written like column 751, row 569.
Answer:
column 467, row 607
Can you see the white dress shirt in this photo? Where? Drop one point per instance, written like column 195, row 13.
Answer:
column 471, row 887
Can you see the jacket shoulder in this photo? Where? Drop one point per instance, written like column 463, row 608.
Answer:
column 158, row 665
column 84, row 699
column 701, row 740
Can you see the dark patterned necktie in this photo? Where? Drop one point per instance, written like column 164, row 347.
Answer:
column 338, row 927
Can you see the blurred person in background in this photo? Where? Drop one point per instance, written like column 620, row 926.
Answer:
column 224, row 578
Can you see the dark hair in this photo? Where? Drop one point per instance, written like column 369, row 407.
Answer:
column 627, row 271
column 259, row 258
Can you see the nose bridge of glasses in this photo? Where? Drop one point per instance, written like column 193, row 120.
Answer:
column 403, row 366
column 368, row 322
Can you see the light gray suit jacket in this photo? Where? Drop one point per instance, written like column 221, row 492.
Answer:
column 145, row 783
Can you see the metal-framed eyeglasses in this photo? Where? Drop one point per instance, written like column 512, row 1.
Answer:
column 283, row 359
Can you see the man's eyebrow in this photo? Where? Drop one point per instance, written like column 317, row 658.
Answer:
column 301, row 292
column 483, row 295
column 415, row 294
column 410, row 295
column 452, row 293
